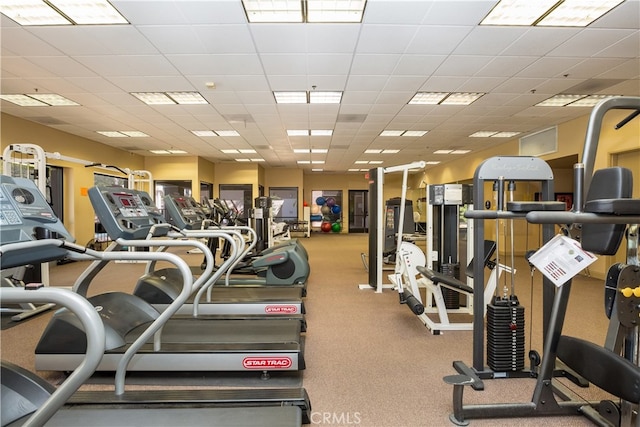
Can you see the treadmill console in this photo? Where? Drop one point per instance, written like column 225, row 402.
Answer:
column 25, row 216
column 126, row 213
column 184, row 212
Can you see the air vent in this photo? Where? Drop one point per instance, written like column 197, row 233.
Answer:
column 351, row 118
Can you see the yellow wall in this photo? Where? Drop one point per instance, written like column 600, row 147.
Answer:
column 236, row 173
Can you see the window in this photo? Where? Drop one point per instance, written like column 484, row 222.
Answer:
column 284, row 201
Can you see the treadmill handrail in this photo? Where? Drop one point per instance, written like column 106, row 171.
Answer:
column 93, row 326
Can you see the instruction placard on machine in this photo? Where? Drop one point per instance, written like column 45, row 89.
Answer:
column 561, row 259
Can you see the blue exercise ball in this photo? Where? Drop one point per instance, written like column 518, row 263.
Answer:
column 336, row 209
column 320, row 201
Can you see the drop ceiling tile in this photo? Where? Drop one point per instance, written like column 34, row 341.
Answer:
column 418, row 65
column 469, row 12
column 589, row 42
column 244, row 64
column 437, row 39
column 488, row 40
column 386, row 39
column 372, row 64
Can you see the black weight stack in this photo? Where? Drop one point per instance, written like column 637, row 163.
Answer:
column 451, row 297
column 505, row 334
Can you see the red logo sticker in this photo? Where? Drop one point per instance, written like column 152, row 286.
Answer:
column 266, row 362
column 281, row 309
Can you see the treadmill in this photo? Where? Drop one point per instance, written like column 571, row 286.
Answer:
column 31, row 233
column 161, row 287
column 144, row 339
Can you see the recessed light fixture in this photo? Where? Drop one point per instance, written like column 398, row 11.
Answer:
column 311, row 162
column 239, row 151
column 493, row 134
column 557, row 13
column 297, row 132
column 451, row 151
column 39, row 100
column 445, row 98
column 227, row 133
column 379, row 151
column 321, row 132
column 566, row 100
column 415, row 133
column 304, row 11
column 61, row 12
column 316, row 170
column 170, row 98
column 204, row 133
column 123, row 133
column 315, row 97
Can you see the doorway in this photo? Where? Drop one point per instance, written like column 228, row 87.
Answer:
column 358, row 211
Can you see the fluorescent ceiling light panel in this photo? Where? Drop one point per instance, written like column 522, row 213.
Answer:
column 243, row 160
column 589, row 101
column 247, row 151
column 321, row 132
column 230, row 151
column 390, row 151
column 32, row 12
column 325, row 97
column 134, row 133
column 153, row 98
column 505, row 134
column 353, row 170
column 376, row 162
column 89, row 12
column 460, row 151
column 559, row 100
column 391, row 133
column 577, row 13
column 204, row 133
column 428, row 98
column 227, row 133
column 297, row 132
column 177, row 151
column 187, row 98
column 461, row 98
column 290, row 97
column 304, row 162
column 273, row 11
column 23, row 100
column 257, row 160
column 518, row 12
column 417, row 133
column 483, row 134
column 52, row 99
column 335, row 11
column 319, row 151
column 372, row 151
column 316, row 170
column 442, row 152
column 112, row 133
column 301, row 150
column 361, row 162
column 363, row 170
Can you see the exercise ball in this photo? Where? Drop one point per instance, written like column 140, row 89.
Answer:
column 336, row 227
column 326, row 227
column 336, row 209
column 326, row 210
column 315, row 209
column 320, row 201
column 330, row 202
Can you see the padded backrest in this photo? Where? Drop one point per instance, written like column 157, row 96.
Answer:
column 608, row 183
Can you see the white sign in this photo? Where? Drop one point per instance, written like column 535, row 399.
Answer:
column 561, row 259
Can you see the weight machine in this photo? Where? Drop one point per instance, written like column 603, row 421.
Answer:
column 377, row 224
column 603, row 206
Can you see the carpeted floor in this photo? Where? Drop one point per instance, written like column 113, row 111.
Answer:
column 370, row 362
